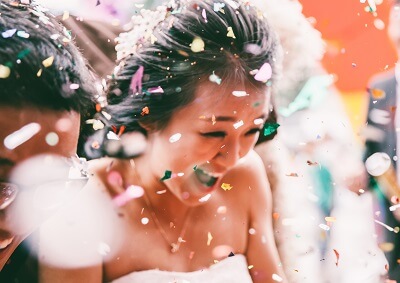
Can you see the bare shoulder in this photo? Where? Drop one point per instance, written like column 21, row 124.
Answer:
column 251, row 181
column 250, row 169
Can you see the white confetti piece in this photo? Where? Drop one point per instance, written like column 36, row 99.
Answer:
column 174, row 138
column 264, row 73
column 22, row 135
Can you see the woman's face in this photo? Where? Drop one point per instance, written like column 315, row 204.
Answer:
column 206, row 138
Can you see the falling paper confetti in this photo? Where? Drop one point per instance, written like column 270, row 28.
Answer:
column 39, row 73
column 22, row 135
column 330, row 219
column 230, row 33
column 197, row 45
column 130, row 193
column 337, row 256
column 167, row 175
column 136, row 81
column 264, row 73
column 174, row 138
column 209, row 238
column 270, row 128
column 239, row 93
column 22, row 34
column 226, row 187
column 157, row 89
column 238, row 124
column 48, row 62
column 218, row 6
column 215, row 79
column 4, row 72
column 377, row 93
column 52, row 139
column 276, row 278
column 145, row 111
column 204, row 15
column 8, row 33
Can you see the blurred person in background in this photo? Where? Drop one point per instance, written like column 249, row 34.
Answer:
column 382, row 137
column 314, row 165
column 46, row 87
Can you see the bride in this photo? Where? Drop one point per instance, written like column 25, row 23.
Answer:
column 193, row 82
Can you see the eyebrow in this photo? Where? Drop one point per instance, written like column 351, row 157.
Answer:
column 225, row 118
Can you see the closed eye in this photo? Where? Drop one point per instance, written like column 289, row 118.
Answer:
column 253, row 131
column 218, row 134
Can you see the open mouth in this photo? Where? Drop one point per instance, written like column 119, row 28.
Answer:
column 205, row 177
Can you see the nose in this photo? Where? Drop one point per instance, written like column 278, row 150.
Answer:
column 229, row 154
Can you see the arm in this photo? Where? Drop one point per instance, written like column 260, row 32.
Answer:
column 261, row 249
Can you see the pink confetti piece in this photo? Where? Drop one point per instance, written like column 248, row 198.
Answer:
column 8, row 33
column 204, row 14
column 157, row 89
column 114, row 178
column 264, row 74
column 136, row 81
column 130, row 193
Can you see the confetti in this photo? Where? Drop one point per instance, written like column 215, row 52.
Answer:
column 276, row 278
column 386, row 247
column 22, row 34
column 377, row 93
column 130, row 193
column 157, row 89
column 74, row 86
column 226, row 187
column 153, row 38
column 145, row 221
column 292, row 175
column 218, row 6
column 250, row 266
column 4, row 72
column 167, row 175
column 384, row 225
column 8, row 33
column 311, row 163
column 145, row 111
column 52, row 139
column 48, row 62
column 394, row 207
column 324, row 227
column 209, row 238
column 264, row 73
column 221, row 210
column 39, row 73
column 136, row 81
column 337, row 257
column 105, row 114
column 183, row 53
column 238, row 124
column 204, row 15
column 330, row 219
column 161, row 192
column 252, row 231
column 175, row 137
column 65, row 15
column 379, row 24
column 103, row 249
column 240, row 93
column 197, row 45
column 230, row 33
column 215, row 79
column 270, row 128
column 22, row 135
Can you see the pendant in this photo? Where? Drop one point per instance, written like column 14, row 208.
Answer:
column 174, row 248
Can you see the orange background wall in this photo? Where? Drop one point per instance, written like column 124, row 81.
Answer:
column 356, row 46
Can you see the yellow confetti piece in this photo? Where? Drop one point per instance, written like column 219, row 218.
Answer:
column 209, row 238
column 66, row 40
column 216, row 261
column 39, row 73
column 226, row 187
column 183, row 53
column 48, row 62
column 230, row 33
column 197, row 45
column 250, row 266
column 330, row 219
column 65, row 15
column 4, row 72
column 386, row 247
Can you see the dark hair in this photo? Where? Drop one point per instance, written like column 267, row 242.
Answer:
column 169, row 63
column 29, row 37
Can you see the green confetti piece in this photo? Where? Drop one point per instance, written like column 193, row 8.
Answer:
column 270, row 128
column 23, row 53
column 195, row 167
column 167, row 175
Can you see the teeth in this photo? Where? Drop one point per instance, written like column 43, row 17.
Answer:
column 206, row 178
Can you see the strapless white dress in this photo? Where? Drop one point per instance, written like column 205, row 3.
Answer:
column 232, row 269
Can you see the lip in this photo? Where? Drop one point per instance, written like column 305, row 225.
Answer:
column 6, row 239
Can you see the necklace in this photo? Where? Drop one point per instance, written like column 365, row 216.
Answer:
column 174, row 245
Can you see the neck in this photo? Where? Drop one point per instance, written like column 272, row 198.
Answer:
column 165, row 204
